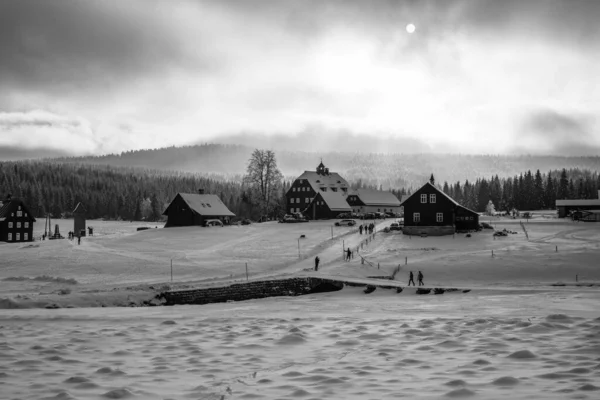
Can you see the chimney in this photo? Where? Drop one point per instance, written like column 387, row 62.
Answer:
column 201, row 191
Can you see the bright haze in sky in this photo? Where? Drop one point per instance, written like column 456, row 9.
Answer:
column 501, row 76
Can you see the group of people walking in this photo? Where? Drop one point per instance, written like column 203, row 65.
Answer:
column 411, row 278
column 367, row 228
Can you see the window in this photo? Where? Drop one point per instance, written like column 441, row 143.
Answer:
column 334, row 189
column 18, row 224
column 323, row 189
column 17, row 237
column 26, row 224
column 25, row 214
column 379, row 210
column 9, row 237
column 416, row 217
column 18, row 208
column 9, row 224
column 307, row 200
column 298, row 200
column 293, row 189
column 25, row 237
column 432, row 198
column 292, row 200
column 423, row 198
column 344, row 190
column 19, row 213
column 439, row 217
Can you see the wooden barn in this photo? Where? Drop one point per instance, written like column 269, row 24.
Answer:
column 327, row 205
column 429, row 211
column 567, row 207
column 309, row 184
column 368, row 200
column 16, row 222
column 188, row 209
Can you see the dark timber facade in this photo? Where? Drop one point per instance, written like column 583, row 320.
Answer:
column 188, row 209
column 429, row 211
column 309, row 184
column 16, row 222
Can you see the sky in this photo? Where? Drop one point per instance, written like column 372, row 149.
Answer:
column 493, row 77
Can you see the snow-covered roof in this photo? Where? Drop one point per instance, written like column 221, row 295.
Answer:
column 376, row 197
column 205, row 204
column 578, row 203
column 335, row 201
column 317, row 181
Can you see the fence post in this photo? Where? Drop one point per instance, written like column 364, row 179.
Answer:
column 377, row 265
column 405, row 260
column 492, row 253
column 556, row 249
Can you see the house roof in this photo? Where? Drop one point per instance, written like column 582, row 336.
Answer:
column 317, row 181
column 335, row 201
column 467, row 209
column 8, row 206
column 376, row 197
column 437, row 189
column 79, row 208
column 205, row 204
column 578, row 203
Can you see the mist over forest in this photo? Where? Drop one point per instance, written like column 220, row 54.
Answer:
column 385, row 170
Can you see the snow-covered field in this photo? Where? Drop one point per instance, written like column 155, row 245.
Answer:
column 512, row 335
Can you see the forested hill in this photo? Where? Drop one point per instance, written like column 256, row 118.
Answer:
column 385, row 170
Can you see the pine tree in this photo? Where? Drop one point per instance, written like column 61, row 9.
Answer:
column 563, row 186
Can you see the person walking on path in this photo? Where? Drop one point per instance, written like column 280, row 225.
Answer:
column 360, row 229
column 317, row 263
column 79, row 239
column 411, row 279
column 348, row 254
column 420, row 278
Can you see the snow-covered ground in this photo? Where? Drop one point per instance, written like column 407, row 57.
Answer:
column 512, row 335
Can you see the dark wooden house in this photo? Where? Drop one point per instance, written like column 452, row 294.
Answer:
column 16, row 221
column 79, row 220
column 369, row 200
column 327, row 205
column 430, row 211
column 309, row 184
column 189, row 209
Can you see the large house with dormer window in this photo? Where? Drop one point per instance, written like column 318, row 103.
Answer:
column 306, row 187
column 430, row 211
column 16, row 221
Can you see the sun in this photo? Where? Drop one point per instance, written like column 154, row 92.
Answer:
column 410, row 28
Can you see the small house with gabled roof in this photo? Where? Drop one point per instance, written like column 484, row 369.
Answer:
column 327, row 205
column 430, row 211
column 16, row 221
column 309, row 184
column 369, row 200
column 188, row 209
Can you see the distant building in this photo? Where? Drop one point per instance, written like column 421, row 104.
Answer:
column 16, row 222
column 79, row 220
column 567, row 207
column 309, row 184
column 432, row 212
column 368, row 200
column 327, row 205
column 188, row 209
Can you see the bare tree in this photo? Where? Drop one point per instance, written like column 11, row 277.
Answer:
column 264, row 179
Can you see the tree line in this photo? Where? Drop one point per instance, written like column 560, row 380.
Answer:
column 53, row 188
column 526, row 191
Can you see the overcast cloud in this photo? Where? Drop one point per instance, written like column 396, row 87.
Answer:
column 475, row 76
